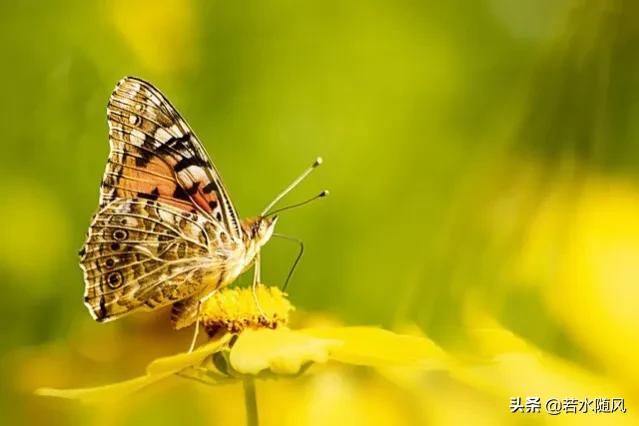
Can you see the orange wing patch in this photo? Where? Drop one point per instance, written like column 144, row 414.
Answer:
column 154, row 155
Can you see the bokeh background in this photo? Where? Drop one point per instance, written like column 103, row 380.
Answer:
column 483, row 161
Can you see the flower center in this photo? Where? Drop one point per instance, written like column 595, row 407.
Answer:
column 236, row 309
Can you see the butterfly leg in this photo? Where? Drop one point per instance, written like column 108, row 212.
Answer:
column 197, row 321
column 256, row 281
column 196, row 329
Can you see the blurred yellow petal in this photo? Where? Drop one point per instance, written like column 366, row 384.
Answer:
column 281, row 351
column 101, row 394
column 582, row 251
column 172, row 364
column 285, row 351
column 490, row 338
column 335, row 397
column 377, row 347
column 157, row 370
column 513, row 367
column 596, row 294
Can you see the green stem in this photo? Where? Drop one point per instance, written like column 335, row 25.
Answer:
column 250, row 402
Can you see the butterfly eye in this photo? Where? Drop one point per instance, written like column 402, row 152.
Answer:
column 115, row 279
column 120, row 234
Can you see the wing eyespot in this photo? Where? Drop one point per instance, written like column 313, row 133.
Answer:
column 115, row 280
column 120, row 235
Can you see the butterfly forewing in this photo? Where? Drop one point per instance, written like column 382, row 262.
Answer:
column 155, row 155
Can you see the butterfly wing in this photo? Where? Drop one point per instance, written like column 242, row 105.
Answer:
column 155, row 155
column 165, row 220
column 144, row 254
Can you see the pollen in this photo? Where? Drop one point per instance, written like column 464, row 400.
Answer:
column 236, row 309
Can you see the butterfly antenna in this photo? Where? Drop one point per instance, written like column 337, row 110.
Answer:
column 293, row 184
column 297, row 259
column 324, row 193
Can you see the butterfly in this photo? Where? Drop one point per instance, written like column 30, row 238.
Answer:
column 166, row 231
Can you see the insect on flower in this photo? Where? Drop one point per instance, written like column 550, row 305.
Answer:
column 166, row 231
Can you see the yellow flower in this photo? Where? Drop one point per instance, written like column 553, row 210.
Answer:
column 235, row 310
column 249, row 341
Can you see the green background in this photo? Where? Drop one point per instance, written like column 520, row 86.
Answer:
column 445, row 128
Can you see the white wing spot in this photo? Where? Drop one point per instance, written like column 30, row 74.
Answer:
column 134, row 119
column 166, row 216
column 137, row 137
column 175, row 130
column 161, row 135
column 198, row 174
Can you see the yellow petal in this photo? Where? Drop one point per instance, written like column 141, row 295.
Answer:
column 376, row 347
column 101, row 394
column 175, row 363
column 281, row 351
column 155, row 371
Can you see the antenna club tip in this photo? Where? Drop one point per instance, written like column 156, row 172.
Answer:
column 324, row 193
column 318, row 161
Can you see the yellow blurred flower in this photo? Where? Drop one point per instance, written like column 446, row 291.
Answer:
column 501, row 365
column 581, row 251
column 597, row 289
column 249, row 341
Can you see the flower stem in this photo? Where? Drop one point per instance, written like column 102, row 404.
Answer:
column 250, row 402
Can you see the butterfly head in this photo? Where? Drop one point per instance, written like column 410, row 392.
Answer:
column 259, row 229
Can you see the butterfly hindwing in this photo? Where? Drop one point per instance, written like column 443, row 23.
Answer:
column 143, row 254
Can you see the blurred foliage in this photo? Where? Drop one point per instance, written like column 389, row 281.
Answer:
column 482, row 158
